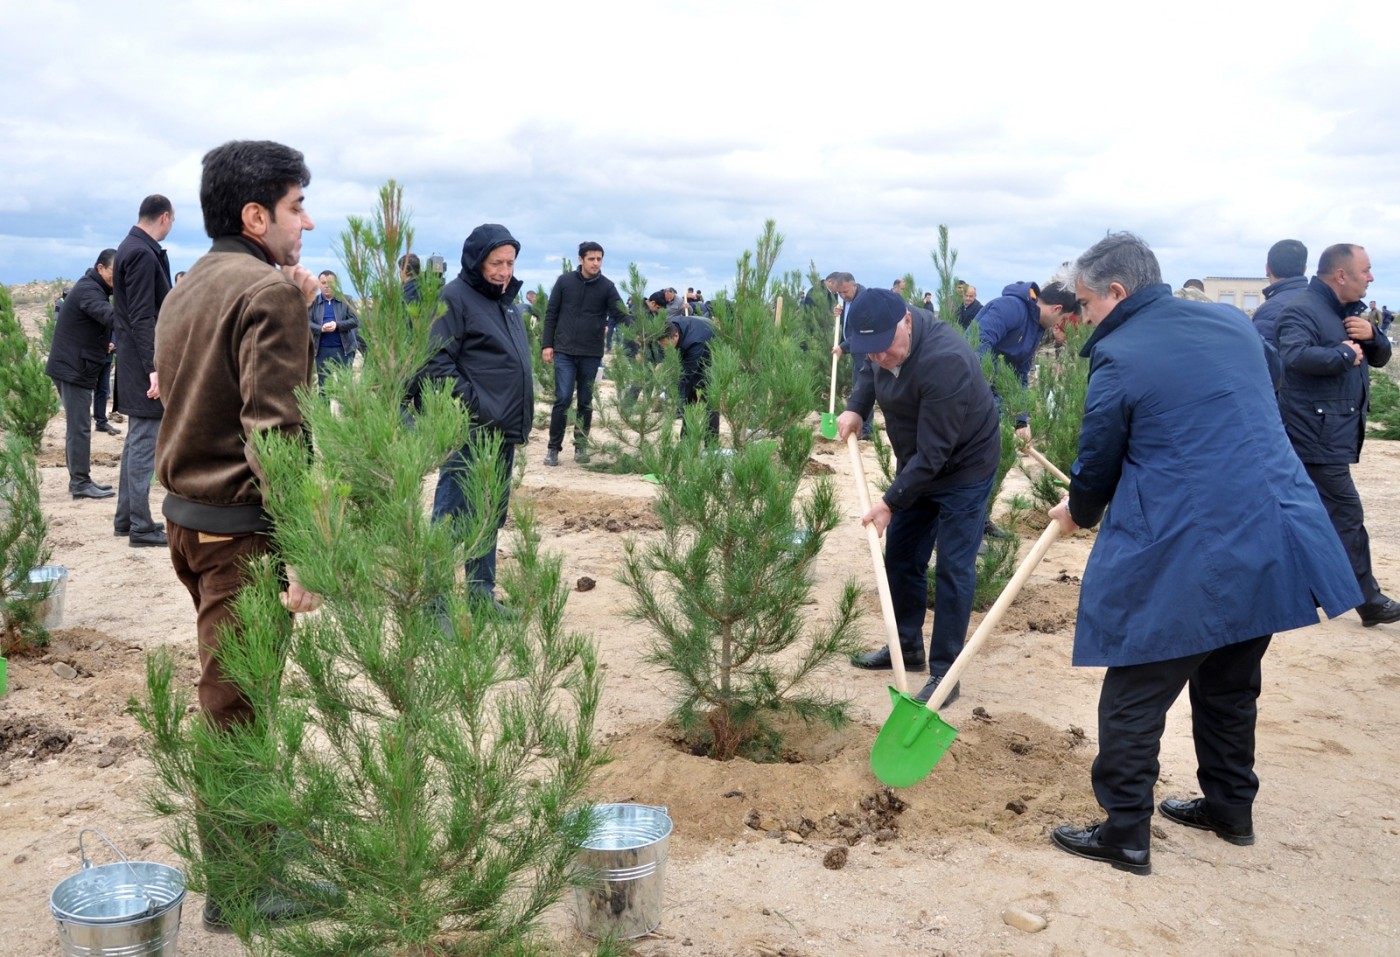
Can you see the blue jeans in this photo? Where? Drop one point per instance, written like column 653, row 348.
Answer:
column 326, row 357
column 134, row 480
column 451, row 501
column 952, row 519
column 572, row 373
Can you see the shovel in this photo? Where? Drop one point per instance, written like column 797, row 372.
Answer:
column 1046, row 464
column 914, row 737
column 829, row 416
column 882, row 581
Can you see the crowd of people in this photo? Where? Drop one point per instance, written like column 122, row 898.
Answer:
column 1213, row 534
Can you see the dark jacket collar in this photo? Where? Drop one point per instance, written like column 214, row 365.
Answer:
column 1324, row 291
column 1124, row 311
column 1287, row 282
column 96, row 277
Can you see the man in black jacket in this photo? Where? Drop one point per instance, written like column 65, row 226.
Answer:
column 943, row 425
column 690, row 336
column 484, row 353
column 1286, row 266
column 140, row 283
column 333, row 324
column 575, row 326
column 1324, row 340
column 78, row 355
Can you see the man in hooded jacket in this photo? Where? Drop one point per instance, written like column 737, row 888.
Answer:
column 484, row 353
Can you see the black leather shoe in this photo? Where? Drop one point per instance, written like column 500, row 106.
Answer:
column 879, row 660
column 151, row 539
column 1383, row 613
column 92, row 491
column 102, row 485
column 1084, row 842
column 928, row 689
column 1192, row 814
column 108, row 427
column 126, row 532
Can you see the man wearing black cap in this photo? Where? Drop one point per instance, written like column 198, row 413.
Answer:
column 942, row 422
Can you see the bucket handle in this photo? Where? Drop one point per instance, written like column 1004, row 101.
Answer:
column 86, row 864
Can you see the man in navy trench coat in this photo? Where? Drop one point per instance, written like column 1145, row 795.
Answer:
column 1214, row 539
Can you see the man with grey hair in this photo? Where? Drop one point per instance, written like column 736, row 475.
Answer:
column 1215, row 539
column 1328, row 348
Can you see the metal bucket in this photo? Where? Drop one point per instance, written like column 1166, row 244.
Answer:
column 626, row 854
column 49, row 583
column 131, row 909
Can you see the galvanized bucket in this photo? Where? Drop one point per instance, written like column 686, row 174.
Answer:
column 626, row 854
column 131, row 909
column 49, row 583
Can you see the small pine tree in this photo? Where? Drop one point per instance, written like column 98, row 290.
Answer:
column 420, row 772
column 725, row 587
column 643, row 401
column 23, row 546
column 1057, row 410
column 28, row 399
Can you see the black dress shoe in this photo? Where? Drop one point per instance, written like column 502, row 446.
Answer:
column 879, row 660
column 109, row 428
column 151, row 539
column 126, row 532
column 1084, row 842
column 273, row 907
column 1381, row 613
column 928, row 689
column 102, row 485
column 1192, row 814
column 92, row 491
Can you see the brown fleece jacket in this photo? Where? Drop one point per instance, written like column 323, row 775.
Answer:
column 232, row 345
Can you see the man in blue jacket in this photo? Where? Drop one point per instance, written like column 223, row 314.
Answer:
column 1012, row 325
column 1215, row 539
column 1285, row 268
column 575, row 327
column 691, row 336
column 1328, row 349
column 942, row 423
column 484, row 353
column 333, row 324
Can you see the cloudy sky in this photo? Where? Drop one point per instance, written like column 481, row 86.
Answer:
column 670, row 131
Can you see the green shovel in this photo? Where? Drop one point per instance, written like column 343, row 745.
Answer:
column 914, row 737
column 829, row 416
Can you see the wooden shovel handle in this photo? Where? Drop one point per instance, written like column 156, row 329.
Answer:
column 778, row 314
column 1046, row 464
column 994, row 614
column 836, row 341
column 877, row 558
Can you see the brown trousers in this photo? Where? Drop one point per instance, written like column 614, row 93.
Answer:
column 214, row 569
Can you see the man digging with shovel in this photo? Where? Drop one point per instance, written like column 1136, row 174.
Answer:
column 1214, row 539
column 942, row 423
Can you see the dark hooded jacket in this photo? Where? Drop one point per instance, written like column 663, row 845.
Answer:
column 1009, row 326
column 81, row 333
column 482, row 348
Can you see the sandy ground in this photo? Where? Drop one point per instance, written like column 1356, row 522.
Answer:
column 943, row 864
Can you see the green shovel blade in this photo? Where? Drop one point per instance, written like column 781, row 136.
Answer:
column 910, row 743
column 829, row 425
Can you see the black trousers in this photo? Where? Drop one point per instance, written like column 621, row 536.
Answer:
column 1224, row 687
column 1339, row 496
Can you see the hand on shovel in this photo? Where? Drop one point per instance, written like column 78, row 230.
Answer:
column 914, row 737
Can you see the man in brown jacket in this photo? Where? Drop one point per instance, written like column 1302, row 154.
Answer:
column 232, row 346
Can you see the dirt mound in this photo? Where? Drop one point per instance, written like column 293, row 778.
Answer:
column 569, row 510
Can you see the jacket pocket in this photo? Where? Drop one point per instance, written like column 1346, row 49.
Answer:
column 1335, row 422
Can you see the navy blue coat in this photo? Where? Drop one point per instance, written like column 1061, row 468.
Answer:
column 1276, row 296
column 1325, row 396
column 1214, row 532
column 1009, row 326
